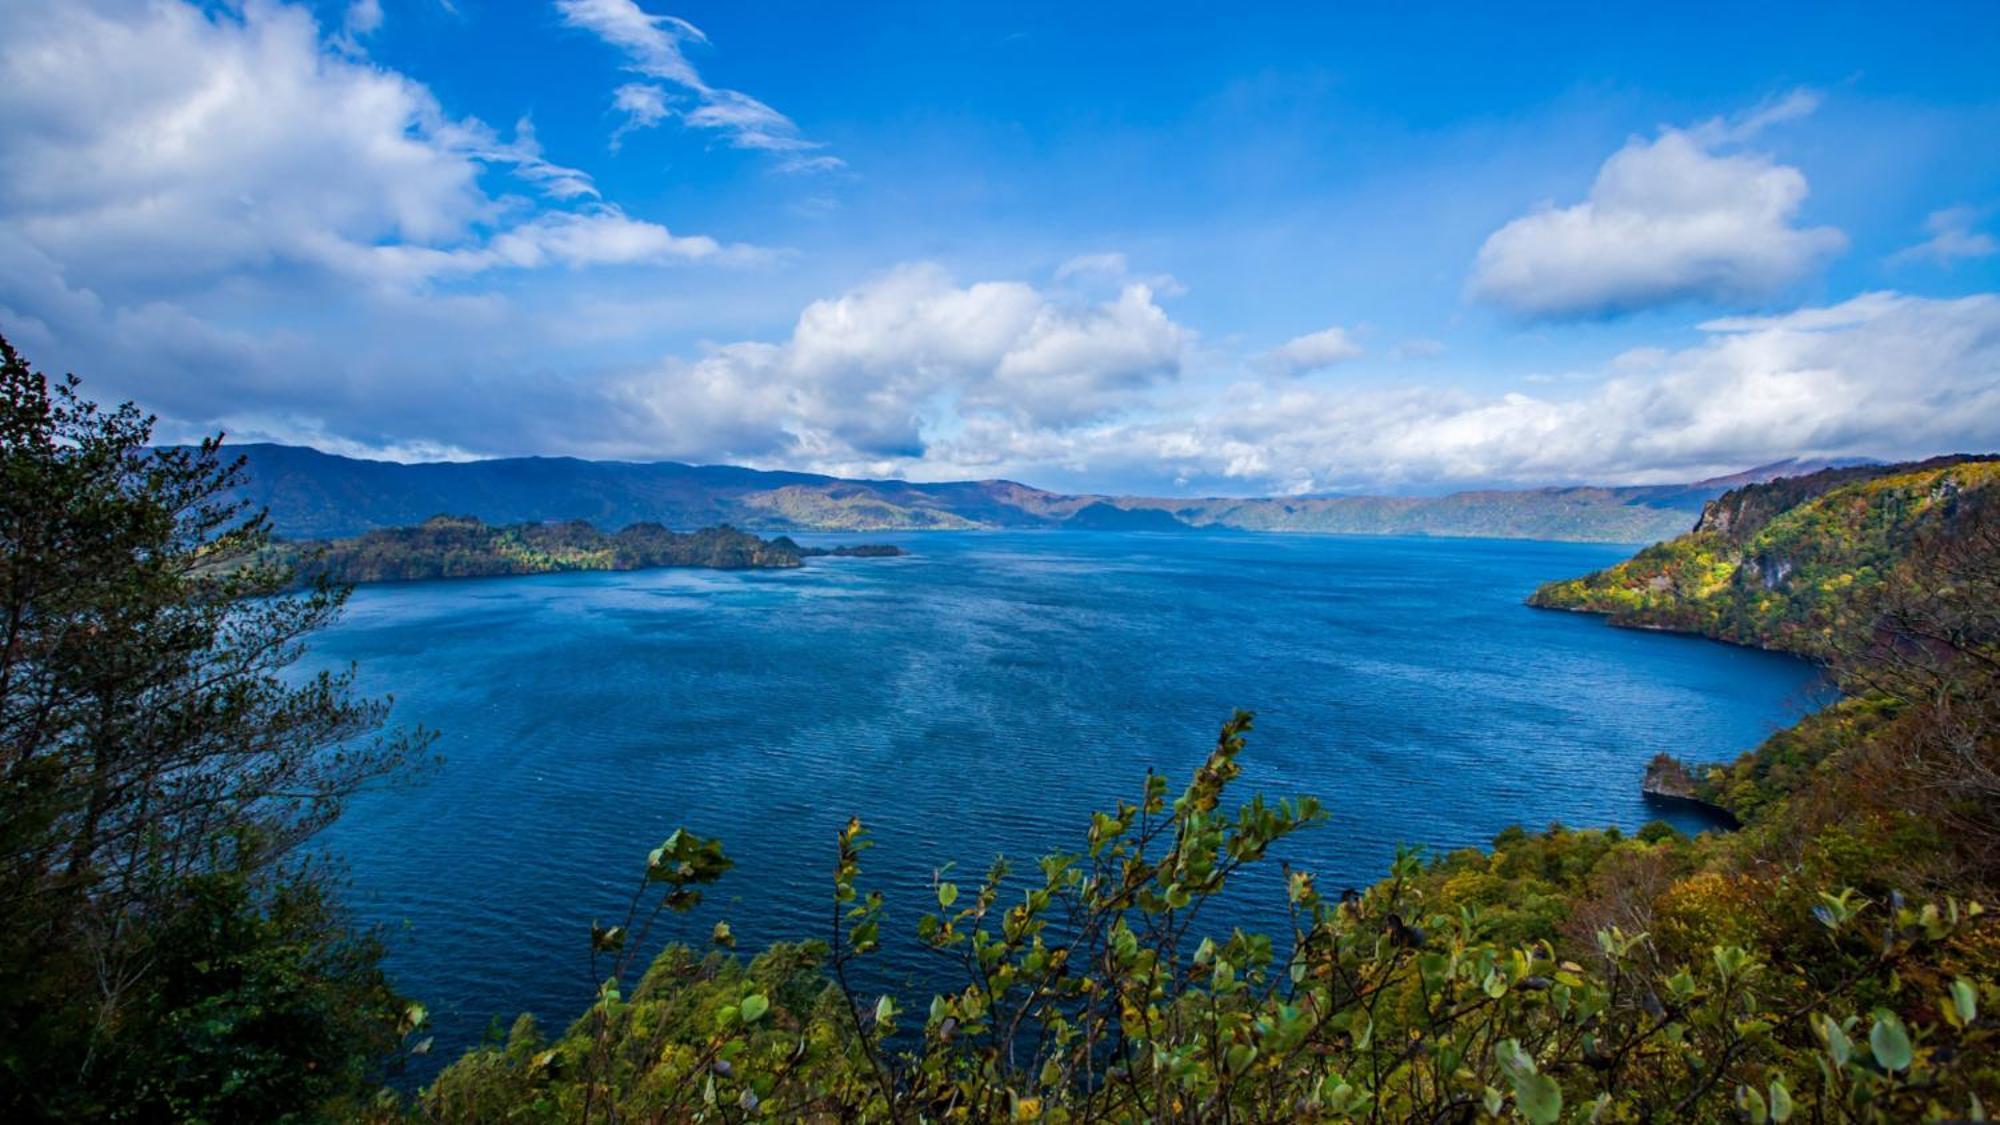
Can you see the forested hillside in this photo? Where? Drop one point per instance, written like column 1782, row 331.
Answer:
column 463, row 547
column 1795, row 564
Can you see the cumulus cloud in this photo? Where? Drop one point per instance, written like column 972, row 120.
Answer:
column 239, row 142
column 654, row 47
column 1676, row 218
column 1952, row 237
column 873, row 376
column 1314, row 351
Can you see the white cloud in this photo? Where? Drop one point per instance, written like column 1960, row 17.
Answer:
column 240, row 143
column 917, row 377
column 1951, row 237
column 644, row 106
column 1109, row 271
column 1667, row 220
column 1883, row 375
column 364, row 17
column 654, row 47
column 254, row 228
column 1745, row 126
column 874, row 375
column 600, row 236
column 1107, row 264
column 803, row 165
column 1314, row 351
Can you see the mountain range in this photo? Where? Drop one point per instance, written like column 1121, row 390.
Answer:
column 316, row 495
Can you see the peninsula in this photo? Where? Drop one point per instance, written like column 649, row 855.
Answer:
column 466, row 547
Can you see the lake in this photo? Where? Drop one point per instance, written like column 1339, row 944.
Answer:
column 981, row 695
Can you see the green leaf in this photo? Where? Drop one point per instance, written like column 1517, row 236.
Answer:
column 1781, row 1101
column 1538, row 1097
column 1965, row 999
column 1750, row 1105
column 753, row 1007
column 1889, row 1042
column 1837, row 1044
column 947, row 894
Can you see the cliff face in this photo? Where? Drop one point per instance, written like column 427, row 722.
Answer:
column 1669, row 782
column 1667, row 777
column 1789, row 564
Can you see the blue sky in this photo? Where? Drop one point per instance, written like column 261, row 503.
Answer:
column 1220, row 249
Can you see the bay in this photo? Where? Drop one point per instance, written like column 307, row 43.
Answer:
column 981, row 695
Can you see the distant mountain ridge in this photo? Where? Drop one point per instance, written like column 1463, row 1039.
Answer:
column 315, row 495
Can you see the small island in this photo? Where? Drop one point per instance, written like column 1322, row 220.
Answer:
column 466, row 547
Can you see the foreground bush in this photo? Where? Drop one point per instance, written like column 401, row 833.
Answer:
column 1091, row 992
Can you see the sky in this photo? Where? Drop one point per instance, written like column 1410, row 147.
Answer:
column 1204, row 250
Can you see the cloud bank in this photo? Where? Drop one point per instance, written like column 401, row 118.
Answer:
column 1882, row 374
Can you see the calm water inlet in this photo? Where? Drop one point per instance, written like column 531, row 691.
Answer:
column 981, row 695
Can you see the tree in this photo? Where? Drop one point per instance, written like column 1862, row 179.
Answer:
column 154, row 753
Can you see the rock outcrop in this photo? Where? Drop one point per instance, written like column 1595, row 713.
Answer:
column 1668, row 782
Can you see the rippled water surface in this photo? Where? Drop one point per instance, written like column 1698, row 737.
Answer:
column 981, row 695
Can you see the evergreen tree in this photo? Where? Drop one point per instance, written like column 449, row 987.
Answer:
column 161, row 938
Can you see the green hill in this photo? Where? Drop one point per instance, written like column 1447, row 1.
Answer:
column 464, row 547
column 1791, row 564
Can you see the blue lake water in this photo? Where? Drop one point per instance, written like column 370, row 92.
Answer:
column 981, row 695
